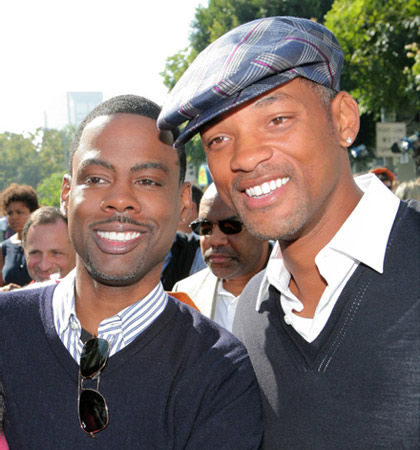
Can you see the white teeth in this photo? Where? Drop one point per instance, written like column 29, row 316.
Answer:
column 267, row 187
column 119, row 236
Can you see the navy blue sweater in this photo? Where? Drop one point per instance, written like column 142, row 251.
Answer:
column 357, row 386
column 184, row 383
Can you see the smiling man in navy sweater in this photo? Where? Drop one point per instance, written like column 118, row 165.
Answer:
column 106, row 353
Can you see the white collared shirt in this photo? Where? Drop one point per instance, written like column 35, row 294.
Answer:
column 225, row 306
column 362, row 238
column 119, row 330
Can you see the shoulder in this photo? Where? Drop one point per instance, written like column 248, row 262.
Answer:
column 202, row 336
column 185, row 240
column 20, row 302
column 414, row 206
column 193, row 280
column 253, row 285
column 5, row 245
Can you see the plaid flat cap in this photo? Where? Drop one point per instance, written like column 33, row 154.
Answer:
column 246, row 62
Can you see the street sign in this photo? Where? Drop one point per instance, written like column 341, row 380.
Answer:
column 386, row 134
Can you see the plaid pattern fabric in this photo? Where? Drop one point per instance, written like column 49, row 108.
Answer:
column 246, row 62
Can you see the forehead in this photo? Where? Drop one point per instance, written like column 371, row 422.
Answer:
column 124, row 134
column 16, row 204
column 295, row 91
column 214, row 208
column 47, row 233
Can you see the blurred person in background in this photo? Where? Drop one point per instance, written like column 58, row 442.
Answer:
column 233, row 257
column 18, row 202
column 407, row 190
column 48, row 251
column 184, row 225
column 385, row 175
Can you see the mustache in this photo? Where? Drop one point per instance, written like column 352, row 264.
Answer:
column 222, row 251
column 286, row 170
column 119, row 218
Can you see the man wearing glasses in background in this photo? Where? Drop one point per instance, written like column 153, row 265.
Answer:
column 233, row 257
column 106, row 353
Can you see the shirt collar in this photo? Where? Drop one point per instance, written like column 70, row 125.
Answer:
column 133, row 319
column 363, row 236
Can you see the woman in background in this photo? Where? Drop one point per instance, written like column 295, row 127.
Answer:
column 17, row 201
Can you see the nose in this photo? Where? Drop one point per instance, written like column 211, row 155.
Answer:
column 121, row 198
column 216, row 238
column 44, row 263
column 249, row 153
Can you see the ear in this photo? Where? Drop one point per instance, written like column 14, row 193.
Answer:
column 346, row 117
column 65, row 193
column 186, row 201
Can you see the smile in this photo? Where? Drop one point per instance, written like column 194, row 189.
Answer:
column 119, row 236
column 267, row 187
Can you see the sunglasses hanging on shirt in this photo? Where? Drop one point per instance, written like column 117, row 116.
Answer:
column 93, row 410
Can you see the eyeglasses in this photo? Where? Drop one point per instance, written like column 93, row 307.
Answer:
column 93, row 410
column 205, row 227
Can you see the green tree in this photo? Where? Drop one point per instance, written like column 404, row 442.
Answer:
column 19, row 160
column 49, row 189
column 32, row 158
column 376, row 36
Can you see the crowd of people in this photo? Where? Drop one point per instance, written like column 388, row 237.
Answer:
column 278, row 309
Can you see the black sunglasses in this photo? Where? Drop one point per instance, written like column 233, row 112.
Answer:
column 93, row 410
column 205, row 227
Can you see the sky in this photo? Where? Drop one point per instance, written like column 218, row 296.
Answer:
column 51, row 47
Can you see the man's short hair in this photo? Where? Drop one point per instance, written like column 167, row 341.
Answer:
column 126, row 104
column 42, row 216
column 197, row 193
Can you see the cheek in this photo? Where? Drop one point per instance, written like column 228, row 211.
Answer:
column 32, row 261
column 203, row 244
column 219, row 166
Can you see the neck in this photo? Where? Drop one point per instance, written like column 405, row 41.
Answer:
column 96, row 302
column 299, row 255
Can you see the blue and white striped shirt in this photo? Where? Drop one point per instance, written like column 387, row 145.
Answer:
column 119, row 330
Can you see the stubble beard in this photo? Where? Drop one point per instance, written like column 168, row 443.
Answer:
column 118, row 280
column 286, row 229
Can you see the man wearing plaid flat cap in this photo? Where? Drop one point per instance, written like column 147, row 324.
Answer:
column 332, row 323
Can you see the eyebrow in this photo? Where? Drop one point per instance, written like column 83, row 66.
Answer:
column 136, row 168
column 270, row 99
column 260, row 103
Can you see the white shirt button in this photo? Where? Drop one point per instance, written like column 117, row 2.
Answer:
column 287, row 320
column 73, row 325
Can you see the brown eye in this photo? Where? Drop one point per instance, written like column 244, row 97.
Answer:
column 279, row 120
column 217, row 140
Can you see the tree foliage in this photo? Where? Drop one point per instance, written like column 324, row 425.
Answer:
column 377, row 37
column 49, row 189
column 37, row 159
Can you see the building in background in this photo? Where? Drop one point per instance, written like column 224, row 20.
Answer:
column 79, row 104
